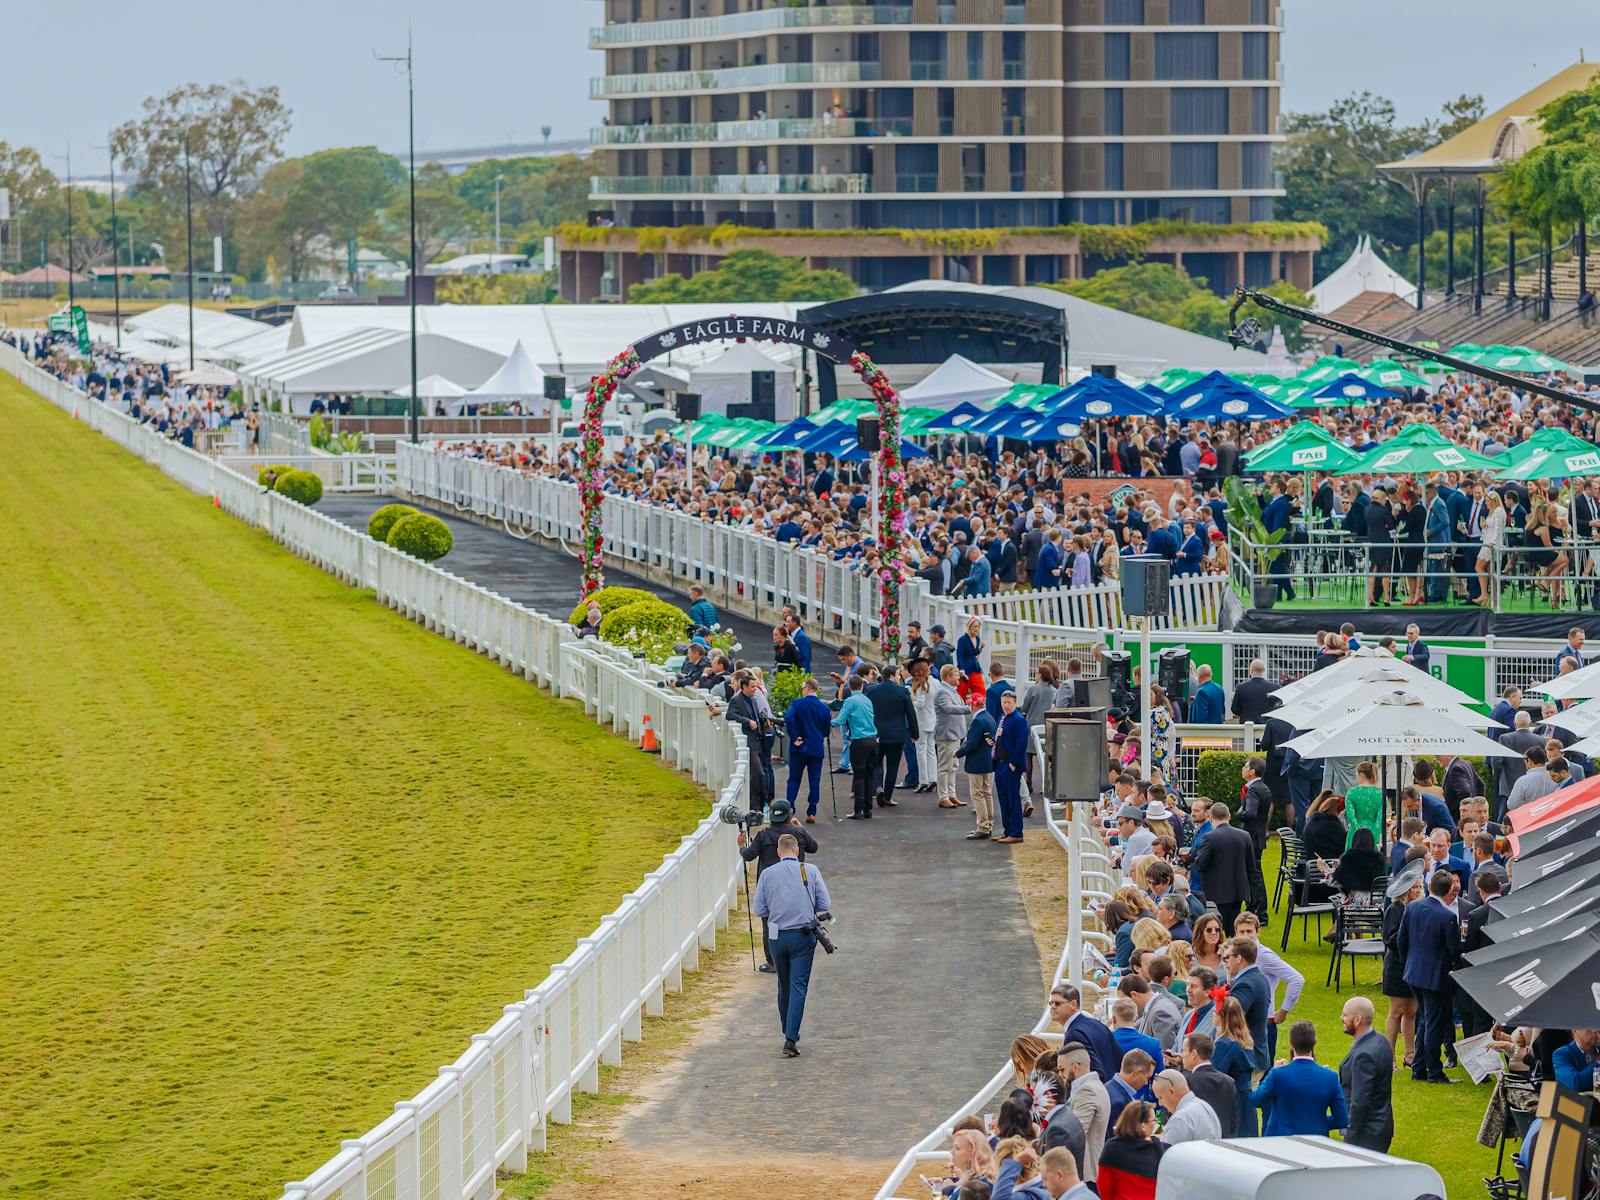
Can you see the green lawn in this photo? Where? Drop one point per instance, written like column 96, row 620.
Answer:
column 1433, row 1124
column 272, row 853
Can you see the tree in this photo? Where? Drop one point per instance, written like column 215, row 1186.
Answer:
column 476, row 183
column 1330, row 161
column 339, row 194
column 1158, row 292
column 746, row 276
column 232, row 132
column 442, row 217
column 1556, row 184
column 558, row 191
column 268, row 242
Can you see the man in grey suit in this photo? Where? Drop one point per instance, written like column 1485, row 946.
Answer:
column 1508, row 770
column 1367, row 1076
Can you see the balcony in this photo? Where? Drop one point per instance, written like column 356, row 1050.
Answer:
column 728, row 185
column 711, row 29
column 765, row 75
column 808, row 129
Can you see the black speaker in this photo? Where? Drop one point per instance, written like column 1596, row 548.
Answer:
column 755, row 412
column 867, row 429
column 763, row 387
column 1172, row 673
column 1146, row 585
column 555, row 387
column 1119, row 670
column 1075, row 753
column 1109, row 370
column 687, row 405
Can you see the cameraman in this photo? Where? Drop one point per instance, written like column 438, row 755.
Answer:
column 792, row 897
column 744, row 712
column 763, row 851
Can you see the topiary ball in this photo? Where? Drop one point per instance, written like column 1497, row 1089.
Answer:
column 268, row 476
column 608, row 599
column 421, row 536
column 300, row 486
column 648, row 627
column 380, row 522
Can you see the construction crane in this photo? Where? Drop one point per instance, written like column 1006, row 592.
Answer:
column 1249, row 331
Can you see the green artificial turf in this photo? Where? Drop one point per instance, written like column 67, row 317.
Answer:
column 1433, row 1124
column 272, row 853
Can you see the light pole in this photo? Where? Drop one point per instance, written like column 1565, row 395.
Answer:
column 495, row 262
column 411, row 291
column 116, row 257
column 188, row 233
column 71, row 293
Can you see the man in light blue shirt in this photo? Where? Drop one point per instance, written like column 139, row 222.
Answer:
column 861, row 732
column 789, row 895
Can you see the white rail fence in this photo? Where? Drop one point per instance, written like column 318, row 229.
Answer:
column 486, row 1110
column 1092, row 879
column 338, row 472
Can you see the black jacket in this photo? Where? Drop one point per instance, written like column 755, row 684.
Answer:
column 1367, row 1077
column 1219, row 1091
column 1252, row 699
column 1255, row 806
column 763, row 848
column 744, row 716
column 1224, row 861
column 1323, row 835
column 892, row 711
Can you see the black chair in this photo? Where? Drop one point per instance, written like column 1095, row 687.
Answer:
column 1305, row 908
column 1294, row 856
column 1358, row 933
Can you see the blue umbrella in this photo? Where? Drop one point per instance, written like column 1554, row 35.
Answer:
column 908, row 449
column 1101, row 396
column 991, row 422
column 1218, row 397
column 1348, row 388
column 787, row 436
column 832, row 438
column 1160, row 397
column 1043, row 427
column 958, row 420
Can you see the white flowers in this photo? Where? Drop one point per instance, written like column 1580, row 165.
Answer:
column 669, row 340
column 821, row 341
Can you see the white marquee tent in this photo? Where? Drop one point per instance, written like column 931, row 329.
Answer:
column 369, row 362
column 517, row 379
column 725, row 380
column 956, row 380
column 1362, row 272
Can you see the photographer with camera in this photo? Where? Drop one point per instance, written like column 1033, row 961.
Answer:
column 744, row 712
column 793, row 898
column 762, row 849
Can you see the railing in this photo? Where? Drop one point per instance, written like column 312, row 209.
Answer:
column 685, row 30
column 486, row 1110
column 281, row 434
column 1090, row 872
column 788, row 129
column 338, row 472
column 1196, row 603
column 761, row 75
column 727, row 185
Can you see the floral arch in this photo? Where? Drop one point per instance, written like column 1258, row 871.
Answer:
column 892, row 571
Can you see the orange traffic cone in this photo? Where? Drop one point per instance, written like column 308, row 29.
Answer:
column 647, row 739
column 74, row 412
column 216, row 500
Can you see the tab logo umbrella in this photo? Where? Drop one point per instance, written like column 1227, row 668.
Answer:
column 1309, row 457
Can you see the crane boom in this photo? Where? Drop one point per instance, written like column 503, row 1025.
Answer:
column 1248, row 331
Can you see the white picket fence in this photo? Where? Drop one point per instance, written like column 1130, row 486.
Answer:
column 486, row 1110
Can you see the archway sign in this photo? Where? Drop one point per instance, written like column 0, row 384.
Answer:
column 891, row 566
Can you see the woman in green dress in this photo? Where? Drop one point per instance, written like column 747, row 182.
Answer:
column 1363, row 804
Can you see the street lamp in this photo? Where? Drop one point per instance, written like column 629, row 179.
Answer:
column 116, row 257
column 411, row 146
column 188, row 226
column 71, row 294
column 495, row 262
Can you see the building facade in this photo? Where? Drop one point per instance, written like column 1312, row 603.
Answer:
column 857, row 122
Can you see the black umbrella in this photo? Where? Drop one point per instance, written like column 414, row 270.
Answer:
column 1582, row 859
column 1555, row 890
column 1553, row 986
column 1550, row 923
column 1568, row 831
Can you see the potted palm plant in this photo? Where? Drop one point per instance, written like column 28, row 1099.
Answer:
column 1244, row 514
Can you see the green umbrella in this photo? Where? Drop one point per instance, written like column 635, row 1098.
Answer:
column 1468, row 352
column 1550, row 454
column 1175, row 378
column 914, row 420
column 1529, row 361
column 843, row 409
column 1306, row 446
column 1385, row 372
column 1027, row 395
column 1418, row 450
column 1285, row 389
column 1329, row 366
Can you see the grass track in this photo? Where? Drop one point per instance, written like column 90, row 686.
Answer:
column 272, row 853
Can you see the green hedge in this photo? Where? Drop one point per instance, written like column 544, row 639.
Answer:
column 268, row 476
column 380, row 522
column 300, row 486
column 421, row 536
column 784, row 689
column 612, row 598
column 1217, row 774
column 651, row 628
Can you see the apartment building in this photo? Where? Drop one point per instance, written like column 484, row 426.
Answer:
column 839, row 131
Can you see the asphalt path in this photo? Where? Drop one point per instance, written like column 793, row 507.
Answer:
column 937, row 968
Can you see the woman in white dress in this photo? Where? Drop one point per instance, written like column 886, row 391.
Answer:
column 1493, row 528
column 922, row 703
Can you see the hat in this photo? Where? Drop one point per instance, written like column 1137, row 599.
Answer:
column 1130, row 812
column 1157, row 811
column 1410, row 875
column 1217, row 535
column 939, row 629
column 780, row 812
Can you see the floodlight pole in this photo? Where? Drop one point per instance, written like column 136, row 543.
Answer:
column 70, row 293
column 188, row 225
column 411, row 289
column 116, row 265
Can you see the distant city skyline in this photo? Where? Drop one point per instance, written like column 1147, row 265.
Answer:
column 489, row 73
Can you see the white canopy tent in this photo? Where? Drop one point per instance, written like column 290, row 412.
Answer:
column 956, row 380
column 1362, row 272
column 169, row 324
column 370, row 362
column 725, row 380
column 435, row 388
column 517, row 379
column 208, row 374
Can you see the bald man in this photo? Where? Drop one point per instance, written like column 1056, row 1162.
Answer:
column 1367, row 1076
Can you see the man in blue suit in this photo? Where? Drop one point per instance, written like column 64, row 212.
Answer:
column 1162, row 540
column 1250, row 988
column 807, row 721
column 1301, row 1096
column 801, row 640
column 1429, row 944
column 1277, row 515
column 1210, row 702
column 1575, row 1062
column 1105, row 1055
column 1437, row 535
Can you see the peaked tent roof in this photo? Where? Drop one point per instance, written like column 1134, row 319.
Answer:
column 1362, row 272
column 956, row 380
column 516, row 378
column 1504, row 134
column 738, row 360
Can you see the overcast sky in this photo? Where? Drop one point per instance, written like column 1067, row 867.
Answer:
column 491, row 72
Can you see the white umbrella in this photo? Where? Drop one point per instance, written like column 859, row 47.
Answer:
column 1395, row 723
column 433, row 387
column 1583, row 683
column 1581, row 719
column 1324, row 707
column 209, row 375
column 1349, row 667
column 1589, row 745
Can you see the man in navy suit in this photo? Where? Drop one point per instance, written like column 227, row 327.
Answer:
column 1430, row 944
column 801, row 640
column 1250, row 988
column 1301, row 1096
column 1277, row 515
column 1105, row 1055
